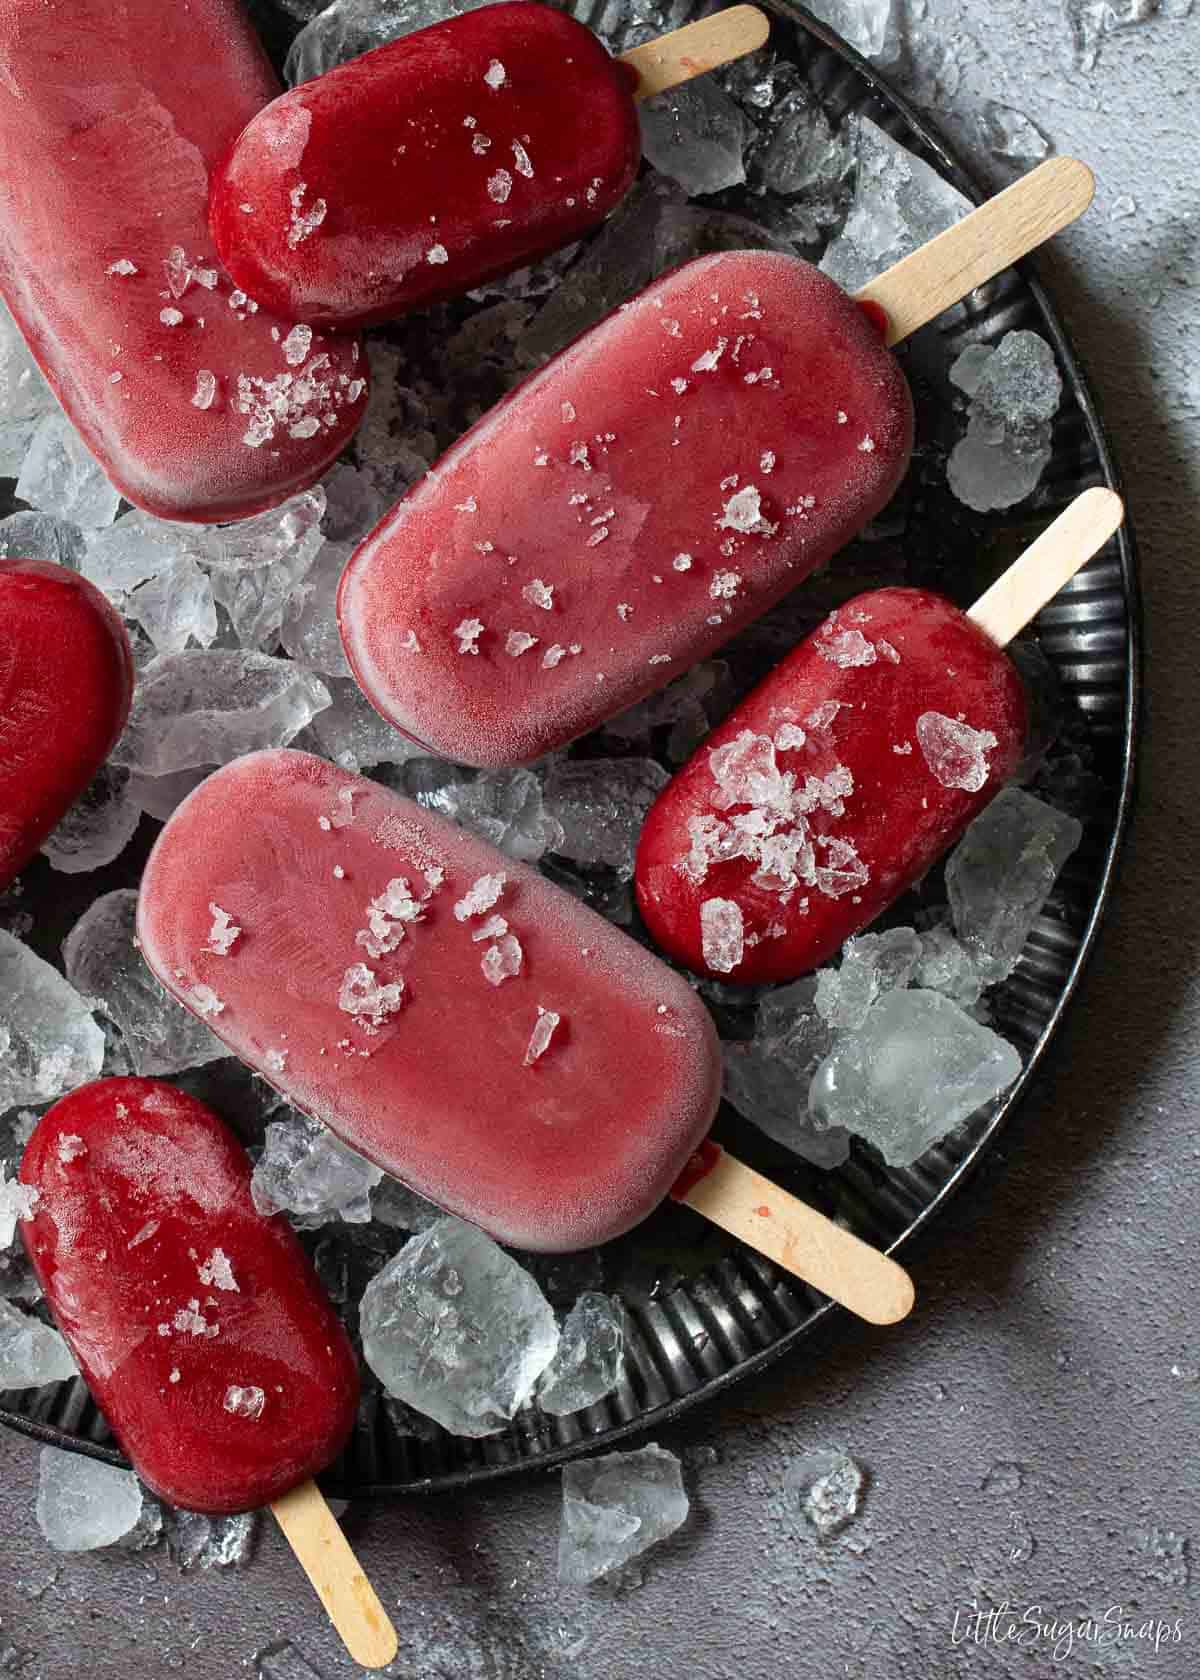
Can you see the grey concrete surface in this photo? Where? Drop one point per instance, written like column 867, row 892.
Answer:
column 1057, row 1327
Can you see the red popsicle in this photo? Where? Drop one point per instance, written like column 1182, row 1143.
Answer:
column 661, row 482
column 454, row 154
column 66, row 679
column 450, row 1014
column 849, row 770
column 200, row 1326
column 198, row 404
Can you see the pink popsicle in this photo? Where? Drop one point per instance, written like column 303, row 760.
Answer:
column 449, row 1013
column 198, row 404
column 656, row 486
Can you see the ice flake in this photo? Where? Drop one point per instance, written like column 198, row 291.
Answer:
column 480, row 143
column 170, row 317
column 886, row 651
column 205, row 1001
column 866, row 445
column 682, row 563
column 223, row 933
column 122, row 266
column 502, row 961
column 206, row 389
column 518, row 642
column 304, row 223
column 495, row 75
column 522, row 160
column 408, row 642
column 17, row 1201
column 722, row 934
column 624, row 611
column 766, row 461
column 743, row 512
column 494, row 928
column 368, row 1002
column 710, row 360
column 387, row 918
column 70, row 1147
column 244, row 1402
column 556, row 653
column 481, row 896
column 539, row 594
column 789, row 736
column 844, row 648
column 725, row 586
column 543, row 1031
column 217, row 1273
column 297, row 345
column 956, row 753
column 437, row 254
column 468, row 634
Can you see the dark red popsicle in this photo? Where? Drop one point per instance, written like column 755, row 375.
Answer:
column 200, row 1326
column 659, row 484
column 199, row 404
column 66, row 678
column 449, row 1013
column 832, row 788
column 457, row 153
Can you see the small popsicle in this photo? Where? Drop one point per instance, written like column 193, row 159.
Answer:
column 198, row 404
column 660, row 483
column 849, row 770
column 449, row 1013
column 66, row 680
column 200, row 1326
column 445, row 158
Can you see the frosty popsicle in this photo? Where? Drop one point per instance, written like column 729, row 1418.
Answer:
column 454, row 154
column 66, row 678
column 849, row 770
column 200, row 1326
column 449, row 1013
column 656, row 486
column 198, row 404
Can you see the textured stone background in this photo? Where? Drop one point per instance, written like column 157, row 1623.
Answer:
column 1054, row 1299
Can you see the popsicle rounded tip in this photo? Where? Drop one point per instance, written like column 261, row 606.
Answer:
column 1071, row 172
column 754, row 25
column 1104, row 506
column 890, row 1297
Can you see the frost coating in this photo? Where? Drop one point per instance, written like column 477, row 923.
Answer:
column 368, row 1002
column 956, row 753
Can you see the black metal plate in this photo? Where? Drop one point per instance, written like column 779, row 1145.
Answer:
column 702, row 1311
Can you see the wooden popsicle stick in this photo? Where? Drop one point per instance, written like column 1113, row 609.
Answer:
column 800, row 1239
column 350, row 1601
column 1080, row 531
column 697, row 48
column 1006, row 228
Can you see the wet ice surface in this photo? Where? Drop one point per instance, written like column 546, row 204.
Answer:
column 457, row 1329
column 83, row 1505
column 615, row 1507
column 49, row 1042
column 829, row 1485
column 587, row 1365
column 42, row 536
column 505, row 807
column 199, row 1542
column 308, row 1173
column 1014, row 389
column 31, row 1353
column 350, row 27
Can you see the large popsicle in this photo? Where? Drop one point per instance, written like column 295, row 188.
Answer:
column 66, row 679
column 447, row 157
column 849, row 770
column 200, row 1326
column 449, row 1013
column 199, row 404
column 660, row 483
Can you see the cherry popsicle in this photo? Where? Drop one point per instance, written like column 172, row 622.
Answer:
column 66, row 680
column 658, row 485
column 200, row 1326
column 452, row 1015
column 198, row 404
column 455, row 154
column 849, row 770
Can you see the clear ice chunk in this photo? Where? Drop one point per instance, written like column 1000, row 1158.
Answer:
column 806, row 157
column 207, row 707
column 83, row 1505
column 17, row 1202
column 25, row 398
column 615, row 1507
column 98, row 827
column 394, row 1204
column 899, row 203
column 196, row 1541
column 31, row 1353
column 123, row 556
column 350, row 27
column 42, row 536
column 871, row 964
column 309, row 631
column 49, row 1042
column 767, row 1076
column 587, row 1365
column 353, row 506
column 947, row 966
column 829, row 1485
column 872, row 27
column 600, row 804
column 175, row 607
column 102, row 960
column 159, row 796
column 60, row 475
column 351, row 732
column 1011, row 135
column 506, row 807
column 689, row 707
column 695, row 134
column 916, row 1068
column 457, row 1329
column 1001, row 873
column 308, row 1173
column 395, row 443
column 1089, row 21
column 1015, row 389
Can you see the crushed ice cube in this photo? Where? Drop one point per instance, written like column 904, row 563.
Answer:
column 767, row 1077
column 98, row 827
column 196, row 1541
column 615, row 1507
column 587, row 1365
column 49, row 1042
column 1000, row 874
column 1015, row 389
column 480, row 896
column 83, row 1505
column 544, row 1029
column 25, row 398
column 872, row 964
column 17, row 1201
column 600, row 805
column 722, row 934
column 872, row 27
column 899, row 203
column 506, row 807
column 348, row 28
column 697, row 135
column 309, row 631
column 31, row 1353
column 102, row 959
column 829, row 1486
column 351, row 732
column 502, row 961
column 203, row 708
column 457, row 1329
column 308, row 1173
column 175, row 607
column 947, row 966
column 1010, row 134
column 42, row 536
column 954, row 752
column 916, row 1068
column 393, row 1203
column 60, row 475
